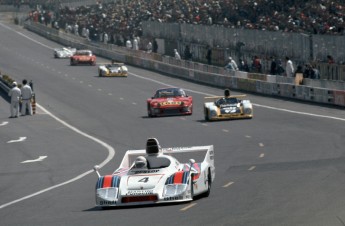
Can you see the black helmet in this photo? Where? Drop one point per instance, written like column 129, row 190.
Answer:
column 152, row 146
column 227, row 93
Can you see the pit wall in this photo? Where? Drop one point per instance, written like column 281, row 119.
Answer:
column 316, row 91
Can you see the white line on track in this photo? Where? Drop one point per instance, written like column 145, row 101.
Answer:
column 257, row 105
column 228, row 184
column 261, row 144
column 188, row 207
column 261, row 155
column 111, row 154
column 251, row 168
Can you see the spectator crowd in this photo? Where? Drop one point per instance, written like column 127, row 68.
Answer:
column 121, row 20
column 125, row 16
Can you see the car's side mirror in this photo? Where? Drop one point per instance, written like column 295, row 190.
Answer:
column 191, row 161
column 96, row 168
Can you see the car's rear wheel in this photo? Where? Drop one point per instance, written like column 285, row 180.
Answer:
column 209, row 184
column 191, row 188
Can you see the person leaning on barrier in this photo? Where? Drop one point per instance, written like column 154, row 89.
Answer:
column 15, row 94
column 177, row 55
column 26, row 98
column 232, row 65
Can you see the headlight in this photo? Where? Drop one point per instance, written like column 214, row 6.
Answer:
column 109, row 194
column 174, row 189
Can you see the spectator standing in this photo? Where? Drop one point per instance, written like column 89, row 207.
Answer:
column 330, row 69
column 15, row 94
column 128, row 44
column 289, row 69
column 308, row 71
column 274, row 67
column 257, row 64
column 187, row 53
column 209, row 55
column 244, row 65
column 105, row 38
column 316, row 73
column 135, row 44
column 26, row 98
column 232, row 65
column 149, row 47
column 280, row 69
column 155, row 46
column 177, row 55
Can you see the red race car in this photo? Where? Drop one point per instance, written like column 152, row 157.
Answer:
column 83, row 57
column 170, row 101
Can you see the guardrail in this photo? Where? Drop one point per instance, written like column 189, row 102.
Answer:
column 257, row 83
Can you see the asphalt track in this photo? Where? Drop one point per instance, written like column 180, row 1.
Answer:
column 286, row 166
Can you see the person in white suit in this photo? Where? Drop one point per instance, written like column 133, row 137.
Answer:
column 26, row 98
column 15, row 94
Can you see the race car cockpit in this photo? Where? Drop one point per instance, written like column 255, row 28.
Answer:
column 226, row 100
column 154, row 157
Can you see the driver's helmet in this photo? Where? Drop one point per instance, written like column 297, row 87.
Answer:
column 153, row 147
column 227, row 93
column 140, row 162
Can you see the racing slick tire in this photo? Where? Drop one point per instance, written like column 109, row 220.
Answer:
column 191, row 189
column 73, row 63
column 206, row 115
column 149, row 111
column 100, row 73
column 209, row 184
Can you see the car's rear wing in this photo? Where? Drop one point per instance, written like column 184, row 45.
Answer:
column 200, row 153
column 218, row 97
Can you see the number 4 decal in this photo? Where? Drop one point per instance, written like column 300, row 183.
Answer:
column 144, row 180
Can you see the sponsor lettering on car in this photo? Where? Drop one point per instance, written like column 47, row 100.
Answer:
column 146, row 171
column 107, row 203
column 140, row 192
column 170, row 103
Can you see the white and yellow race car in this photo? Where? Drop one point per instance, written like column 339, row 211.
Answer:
column 113, row 70
column 227, row 107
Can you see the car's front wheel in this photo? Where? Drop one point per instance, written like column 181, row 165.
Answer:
column 149, row 111
column 206, row 114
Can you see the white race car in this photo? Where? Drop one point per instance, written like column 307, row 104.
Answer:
column 64, row 52
column 155, row 176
